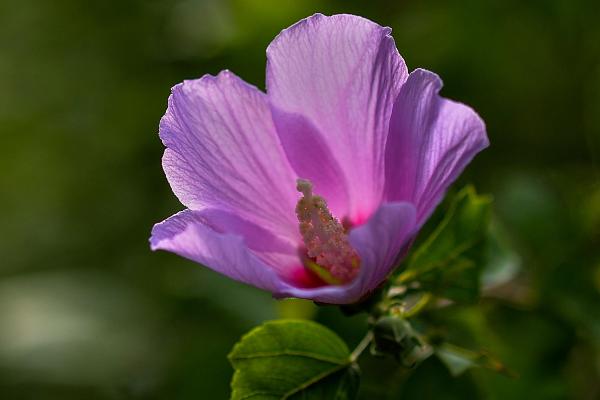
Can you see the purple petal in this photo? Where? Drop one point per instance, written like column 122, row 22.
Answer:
column 310, row 156
column 342, row 73
column 223, row 152
column 226, row 244
column 379, row 242
column 431, row 141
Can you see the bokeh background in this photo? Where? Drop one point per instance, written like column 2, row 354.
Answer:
column 88, row 312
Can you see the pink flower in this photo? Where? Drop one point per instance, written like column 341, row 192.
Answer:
column 374, row 147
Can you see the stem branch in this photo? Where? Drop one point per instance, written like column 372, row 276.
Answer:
column 361, row 346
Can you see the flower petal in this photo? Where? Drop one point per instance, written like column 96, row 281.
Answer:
column 383, row 241
column 223, row 152
column 310, row 156
column 342, row 73
column 431, row 141
column 226, row 244
column 379, row 242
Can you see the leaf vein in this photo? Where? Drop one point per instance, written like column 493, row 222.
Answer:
column 314, row 356
column 314, row 380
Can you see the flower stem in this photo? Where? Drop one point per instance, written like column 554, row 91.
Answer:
column 361, row 346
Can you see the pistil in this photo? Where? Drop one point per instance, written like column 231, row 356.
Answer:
column 329, row 252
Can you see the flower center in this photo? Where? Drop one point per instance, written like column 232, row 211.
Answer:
column 329, row 253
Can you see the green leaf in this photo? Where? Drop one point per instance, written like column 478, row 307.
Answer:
column 458, row 360
column 450, row 261
column 292, row 359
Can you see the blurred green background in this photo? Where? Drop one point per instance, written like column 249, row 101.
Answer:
column 88, row 312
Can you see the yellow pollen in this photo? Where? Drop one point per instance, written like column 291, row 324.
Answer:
column 329, row 252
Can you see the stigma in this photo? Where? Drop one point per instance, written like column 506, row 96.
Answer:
column 328, row 251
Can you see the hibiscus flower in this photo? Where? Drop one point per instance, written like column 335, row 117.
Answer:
column 316, row 188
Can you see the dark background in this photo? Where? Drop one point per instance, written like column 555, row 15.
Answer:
column 88, row 312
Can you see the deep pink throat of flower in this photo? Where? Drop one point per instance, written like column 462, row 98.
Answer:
column 377, row 146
